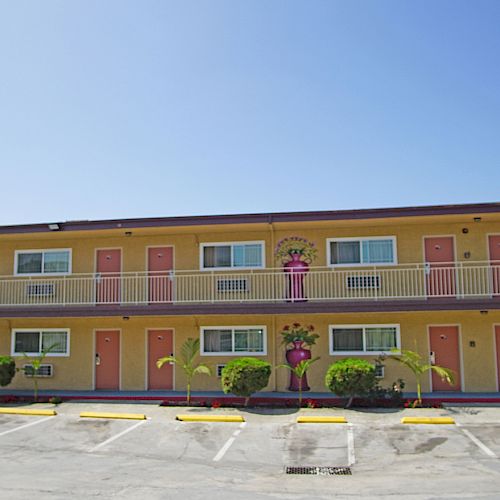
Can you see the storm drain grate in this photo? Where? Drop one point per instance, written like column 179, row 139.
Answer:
column 319, row 471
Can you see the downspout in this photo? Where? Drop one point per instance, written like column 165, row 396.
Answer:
column 273, row 329
column 275, row 349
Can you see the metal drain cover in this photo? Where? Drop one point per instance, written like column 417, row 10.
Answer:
column 319, row 471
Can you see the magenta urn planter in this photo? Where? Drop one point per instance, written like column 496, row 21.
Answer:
column 296, row 270
column 294, row 356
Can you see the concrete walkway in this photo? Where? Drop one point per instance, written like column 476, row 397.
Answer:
column 260, row 397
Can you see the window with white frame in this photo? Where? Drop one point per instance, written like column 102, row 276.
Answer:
column 245, row 254
column 362, row 251
column 233, row 340
column 43, row 261
column 33, row 342
column 364, row 339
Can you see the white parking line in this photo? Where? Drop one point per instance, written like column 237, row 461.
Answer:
column 15, row 429
column 228, row 443
column 476, row 441
column 351, row 459
column 116, row 436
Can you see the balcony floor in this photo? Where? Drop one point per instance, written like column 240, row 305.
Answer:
column 318, row 307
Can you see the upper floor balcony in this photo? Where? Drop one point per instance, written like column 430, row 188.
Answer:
column 420, row 282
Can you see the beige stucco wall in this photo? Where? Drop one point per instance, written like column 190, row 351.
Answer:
column 186, row 241
column 76, row 371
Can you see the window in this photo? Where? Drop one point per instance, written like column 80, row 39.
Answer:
column 232, row 255
column 361, row 251
column 33, row 342
column 233, row 340
column 43, row 262
column 364, row 339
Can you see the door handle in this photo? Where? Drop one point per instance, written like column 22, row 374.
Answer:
column 97, row 359
column 432, row 358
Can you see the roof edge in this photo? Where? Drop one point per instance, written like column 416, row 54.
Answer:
column 256, row 218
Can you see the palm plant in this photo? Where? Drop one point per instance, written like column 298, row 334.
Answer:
column 189, row 351
column 32, row 369
column 300, row 370
column 413, row 361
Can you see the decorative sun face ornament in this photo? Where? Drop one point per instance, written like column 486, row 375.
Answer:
column 295, row 245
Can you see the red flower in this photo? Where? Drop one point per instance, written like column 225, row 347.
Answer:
column 286, row 328
column 296, row 325
column 311, row 328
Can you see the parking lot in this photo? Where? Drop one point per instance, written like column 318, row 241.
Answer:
column 161, row 457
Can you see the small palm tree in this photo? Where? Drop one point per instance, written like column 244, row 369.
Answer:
column 300, row 370
column 189, row 351
column 35, row 362
column 413, row 361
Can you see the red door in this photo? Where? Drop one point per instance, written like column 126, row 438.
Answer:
column 445, row 352
column 108, row 269
column 107, row 360
column 497, row 343
column 160, row 264
column 440, row 266
column 494, row 247
column 160, row 344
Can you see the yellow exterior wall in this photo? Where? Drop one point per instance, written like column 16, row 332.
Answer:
column 187, row 250
column 76, row 372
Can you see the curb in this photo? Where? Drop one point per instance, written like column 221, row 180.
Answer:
column 123, row 416
column 210, row 418
column 21, row 411
column 428, row 420
column 321, row 420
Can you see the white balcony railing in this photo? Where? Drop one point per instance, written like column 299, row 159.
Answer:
column 406, row 281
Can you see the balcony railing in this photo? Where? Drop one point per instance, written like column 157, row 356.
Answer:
column 406, row 281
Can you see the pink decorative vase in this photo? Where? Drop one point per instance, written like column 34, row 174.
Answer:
column 294, row 356
column 296, row 270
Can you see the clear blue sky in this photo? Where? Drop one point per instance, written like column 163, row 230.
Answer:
column 155, row 108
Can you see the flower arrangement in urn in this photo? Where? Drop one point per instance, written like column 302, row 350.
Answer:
column 298, row 333
column 295, row 245
column 294, row 337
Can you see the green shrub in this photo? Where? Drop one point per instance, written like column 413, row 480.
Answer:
column 391, row 396
column 244, row 376
column 351, row 377
column 7, row 370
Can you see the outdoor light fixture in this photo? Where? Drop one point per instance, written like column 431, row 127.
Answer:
column 483, row 312
column 128, row 233
column 477, row 219
column 126, row 318
column 54, row 227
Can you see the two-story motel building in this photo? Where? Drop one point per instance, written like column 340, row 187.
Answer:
column 115, row 295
